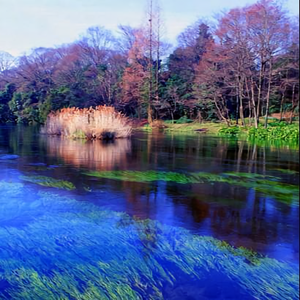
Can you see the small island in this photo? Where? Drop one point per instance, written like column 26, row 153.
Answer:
column 101, row 122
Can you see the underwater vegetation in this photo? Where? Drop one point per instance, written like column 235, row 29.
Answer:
column 49, row 182
column 286, row 171
column 268, row 185
column 76, row 250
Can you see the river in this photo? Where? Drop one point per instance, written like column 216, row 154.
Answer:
column 157, row 216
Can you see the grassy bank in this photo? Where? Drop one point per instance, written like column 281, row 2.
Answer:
column 208, row 127
column 276, row 132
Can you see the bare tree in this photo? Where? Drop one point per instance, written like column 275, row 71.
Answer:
column 6, row 61
column 269, row 29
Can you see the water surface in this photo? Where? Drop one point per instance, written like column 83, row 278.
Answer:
column 157, row 216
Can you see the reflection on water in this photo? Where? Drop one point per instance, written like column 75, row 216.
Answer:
column 95, row 155
column 148, row 212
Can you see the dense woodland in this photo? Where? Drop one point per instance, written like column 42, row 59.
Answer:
column 245, row 65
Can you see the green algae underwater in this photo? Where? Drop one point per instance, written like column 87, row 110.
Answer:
column 268, row 185
column 49, row 182
column 54, row 247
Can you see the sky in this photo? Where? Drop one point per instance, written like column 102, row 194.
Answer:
column 28, row 24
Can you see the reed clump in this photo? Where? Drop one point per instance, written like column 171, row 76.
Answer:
column 101, row 122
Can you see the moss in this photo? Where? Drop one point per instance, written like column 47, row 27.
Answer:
column 49, row 182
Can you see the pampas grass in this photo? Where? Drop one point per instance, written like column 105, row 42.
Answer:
column 101, row 122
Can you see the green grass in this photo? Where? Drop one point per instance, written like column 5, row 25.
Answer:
column 212, row 128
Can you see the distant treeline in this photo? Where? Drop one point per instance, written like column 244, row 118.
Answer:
column 246, row 65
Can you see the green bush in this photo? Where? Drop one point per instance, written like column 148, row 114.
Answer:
column 276, row 131
column 229, row 130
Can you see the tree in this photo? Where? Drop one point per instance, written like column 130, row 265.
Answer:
column 233, row 37
column 210, row 80
column 135, row 76
column 5, row 98
column 6, row 61
column 182, row 63
column 269, row 32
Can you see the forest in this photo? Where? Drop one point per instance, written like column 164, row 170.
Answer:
column 242, row 66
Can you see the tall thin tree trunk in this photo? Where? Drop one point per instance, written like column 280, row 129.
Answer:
column 249, row 102
column 219, row 111
column 241, row 102
column 260, row 82
column 172, row 116
column 237, row 109
column 157, row 58
column 268, row 95
column 281, row 104
column 293, row 104
column 254, row 104
column 250, row 113
column 149, row 110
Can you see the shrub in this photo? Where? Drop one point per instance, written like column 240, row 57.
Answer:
column 229, row 130
column 281, row 131
column 101, row 122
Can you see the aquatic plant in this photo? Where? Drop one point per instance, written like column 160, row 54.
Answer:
column 75, row 250
column 147, row 176
column 251, row 176
column 267, row 185
column 286, row 171
column 49, row 182
column 101, row 122
column 10, row 188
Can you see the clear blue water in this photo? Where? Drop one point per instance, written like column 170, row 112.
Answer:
column 142, row 235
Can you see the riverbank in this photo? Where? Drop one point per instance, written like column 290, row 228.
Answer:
column 277, row 133
column 211, row 127
column 207, row 127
